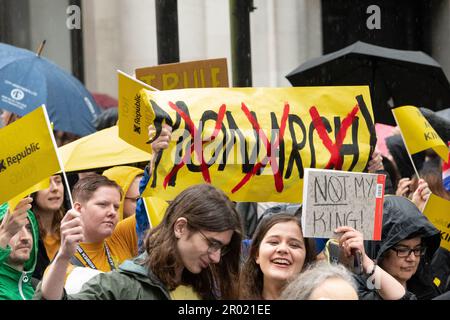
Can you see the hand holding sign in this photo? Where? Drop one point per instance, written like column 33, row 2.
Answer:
column 163, row 140
column 71, row 234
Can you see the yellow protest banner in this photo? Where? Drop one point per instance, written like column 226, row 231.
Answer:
column 211, row 73
column 44, row 184
column 133, row 118
column 254, row 143
column 156, row 209
column 417, row 132
column 437, row 211
column 27, row 154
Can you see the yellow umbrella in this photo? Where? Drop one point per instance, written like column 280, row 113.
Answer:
column 99, row 150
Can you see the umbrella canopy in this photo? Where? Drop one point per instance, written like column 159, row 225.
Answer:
column 28, row 80
column 100, row 150
column 395, row 77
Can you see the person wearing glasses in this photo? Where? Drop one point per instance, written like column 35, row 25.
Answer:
column 408, row 244
column 128, row 179
column 192, row 254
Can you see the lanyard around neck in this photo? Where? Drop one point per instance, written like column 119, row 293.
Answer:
column 91, row 264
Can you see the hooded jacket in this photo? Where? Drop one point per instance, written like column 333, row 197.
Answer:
column 401, row 218
column 15, row 284
column 124, row 177
column 132, row 281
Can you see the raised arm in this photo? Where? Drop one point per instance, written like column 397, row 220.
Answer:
column 71, row 235
column 385, row 284
column 13, row 222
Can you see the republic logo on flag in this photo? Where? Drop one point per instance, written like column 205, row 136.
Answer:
column 2, row 165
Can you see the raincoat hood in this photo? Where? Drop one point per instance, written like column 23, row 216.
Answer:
column 401, row 218
column 16, row 284
column 124, row 177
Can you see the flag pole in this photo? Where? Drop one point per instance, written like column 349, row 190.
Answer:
column 61, row 165
column 406, row 146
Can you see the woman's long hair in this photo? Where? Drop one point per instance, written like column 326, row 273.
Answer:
column 205, row 208
column 251, row 282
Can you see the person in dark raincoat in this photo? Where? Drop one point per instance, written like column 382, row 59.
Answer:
column 408, row 244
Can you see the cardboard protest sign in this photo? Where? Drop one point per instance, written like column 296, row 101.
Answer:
column 336, row 198
column 27, row 154
column 210, row 73
column 437, row 211
column 417, row 132
column 254, row 143
column 133, row 118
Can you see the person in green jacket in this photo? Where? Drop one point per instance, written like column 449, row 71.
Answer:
column 18, row 251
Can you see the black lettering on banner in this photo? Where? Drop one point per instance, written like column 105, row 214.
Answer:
column 352, row 148
column 179, row 147
column 296, row 147
column 160, row 116
column 430, row 136
column 207, row 115
column 163, row 115
column 2, row 165
column 370, row 125
column 327, row 125
column 249, row 151
column 275, row 134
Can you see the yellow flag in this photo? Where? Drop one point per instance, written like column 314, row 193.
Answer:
column 101, row 149
column 437, row 211
column 156, row 209
column 44, row 184
column 27, row 154
column 134, row 118
column 254, row 143
column 417, row 132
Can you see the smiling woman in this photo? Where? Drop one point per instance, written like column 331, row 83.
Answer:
column 278, row 253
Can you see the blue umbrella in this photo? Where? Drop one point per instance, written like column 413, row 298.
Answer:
column 28, row 80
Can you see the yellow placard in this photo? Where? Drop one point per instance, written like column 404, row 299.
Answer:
column 211, row 73
column 156, row 209
column 44, row 184
column 437, row 211
column 254, row 143
column 27, row 154
column 100, row 149
column 417, row 132
column 133, row 118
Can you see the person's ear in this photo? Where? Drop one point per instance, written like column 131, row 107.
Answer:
column 180, row 227
column 257, row 257
column 77, row 206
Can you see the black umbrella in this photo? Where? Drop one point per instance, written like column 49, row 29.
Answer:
column 395, row 77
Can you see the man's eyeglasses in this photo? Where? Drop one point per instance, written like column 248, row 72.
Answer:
column 405, row 252
column 214, row 246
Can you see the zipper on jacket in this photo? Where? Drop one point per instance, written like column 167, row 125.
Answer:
column 23, row 278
